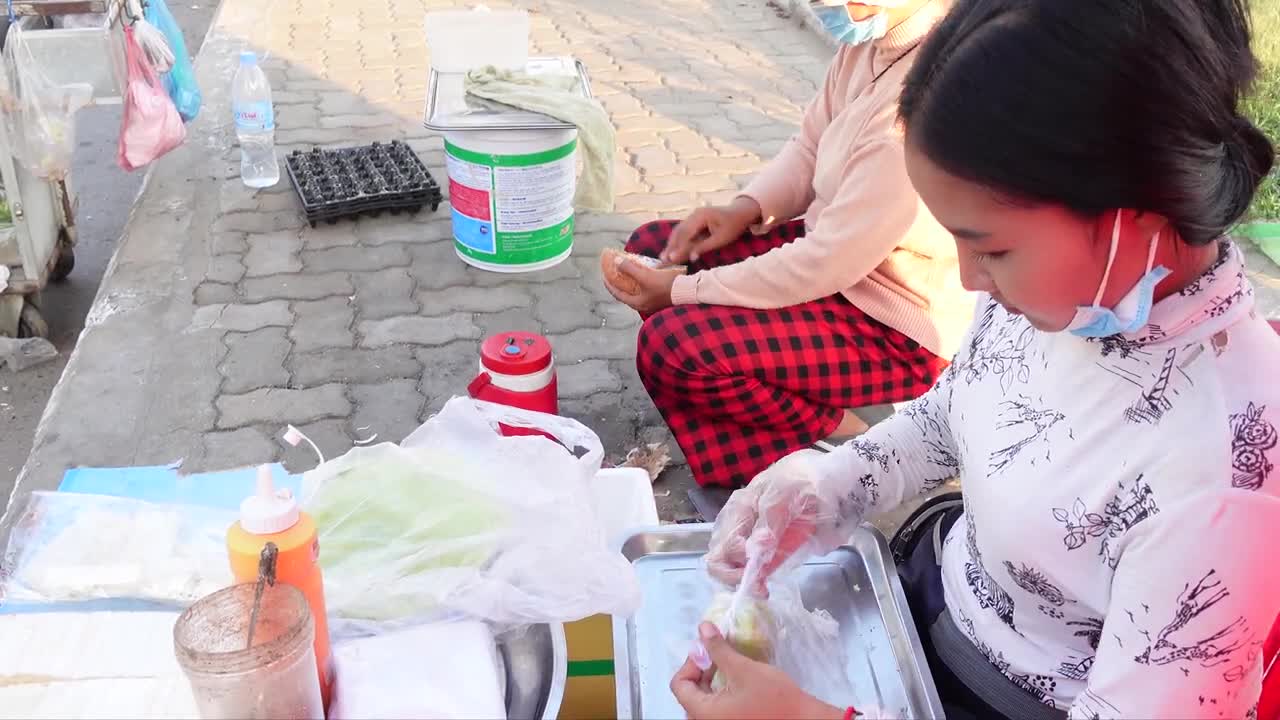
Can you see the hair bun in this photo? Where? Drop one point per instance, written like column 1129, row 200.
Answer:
column 1240, row 123
column 1246, row 159
column 1249, row 148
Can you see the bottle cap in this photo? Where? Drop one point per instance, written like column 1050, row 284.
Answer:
column 268, row 511
column 516, row 353
column 248, row 57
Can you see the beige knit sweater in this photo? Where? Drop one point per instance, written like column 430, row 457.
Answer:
column 868, row 235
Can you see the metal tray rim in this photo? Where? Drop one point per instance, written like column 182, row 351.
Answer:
column 549, row 124
column 919, row 680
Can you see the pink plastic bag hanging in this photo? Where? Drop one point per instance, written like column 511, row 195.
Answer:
column 152, row 125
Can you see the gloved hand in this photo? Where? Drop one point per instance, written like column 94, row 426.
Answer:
column 796, row 502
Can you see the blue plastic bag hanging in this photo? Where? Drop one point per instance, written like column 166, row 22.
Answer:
column 180, row 81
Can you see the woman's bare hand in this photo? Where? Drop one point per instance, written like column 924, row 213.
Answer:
column 752, row 689
column 710, row 228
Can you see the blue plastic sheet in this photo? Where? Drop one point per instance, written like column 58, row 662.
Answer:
column 163, row 484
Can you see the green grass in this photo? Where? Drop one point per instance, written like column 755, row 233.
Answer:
column 1264, row 105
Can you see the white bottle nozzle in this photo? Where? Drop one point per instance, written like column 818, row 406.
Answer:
column 266, row 488
column 268, row 510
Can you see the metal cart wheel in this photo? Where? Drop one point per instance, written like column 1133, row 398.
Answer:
column 66, row 261
column 63, row 267
column 67, row 235
column 31, row 322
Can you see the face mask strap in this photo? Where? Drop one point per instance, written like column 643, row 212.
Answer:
column 1151, row 251
column 1111, row 258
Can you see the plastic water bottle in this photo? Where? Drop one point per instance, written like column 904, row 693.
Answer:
column 255, row 123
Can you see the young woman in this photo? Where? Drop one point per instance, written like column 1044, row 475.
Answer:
column 1113, row 411
column 825, row 286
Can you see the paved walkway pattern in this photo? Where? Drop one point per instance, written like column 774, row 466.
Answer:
column 224, row 317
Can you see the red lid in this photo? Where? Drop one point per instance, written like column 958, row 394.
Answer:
column 515, row 353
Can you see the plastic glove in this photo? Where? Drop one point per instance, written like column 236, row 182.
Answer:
column 798, row 501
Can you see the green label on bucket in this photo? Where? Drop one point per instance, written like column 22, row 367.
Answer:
column 512, row 210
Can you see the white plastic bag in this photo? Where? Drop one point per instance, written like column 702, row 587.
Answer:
column 809, row 650
column 18, row 355
column 463, row 518
column 68, row 547
column 40, row 114
column 151, row 125
column 155, row 46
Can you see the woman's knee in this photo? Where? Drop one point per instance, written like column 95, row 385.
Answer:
column 651, row 238
column 659, row 348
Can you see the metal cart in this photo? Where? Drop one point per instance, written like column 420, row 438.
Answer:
column 39, row 247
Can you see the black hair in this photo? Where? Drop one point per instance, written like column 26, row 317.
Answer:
column 1095, row 105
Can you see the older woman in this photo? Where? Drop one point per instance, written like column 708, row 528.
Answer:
column 825, row 286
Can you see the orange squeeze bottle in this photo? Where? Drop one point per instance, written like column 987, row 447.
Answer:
column 273, row 516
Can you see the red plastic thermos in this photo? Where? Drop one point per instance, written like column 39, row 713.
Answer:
column 517, row 369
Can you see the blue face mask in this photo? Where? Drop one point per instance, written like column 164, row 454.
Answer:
column 836, row 21
column 1133, row 310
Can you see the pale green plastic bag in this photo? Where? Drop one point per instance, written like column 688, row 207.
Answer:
column 459, row 517
column 387, row 512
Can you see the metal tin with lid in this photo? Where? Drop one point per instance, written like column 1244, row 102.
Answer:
column 450, row 109
column 512, row 173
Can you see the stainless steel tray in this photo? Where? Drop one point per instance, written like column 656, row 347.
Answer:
column 449, row 108
column 857, row 584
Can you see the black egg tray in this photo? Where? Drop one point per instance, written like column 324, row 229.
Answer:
column 365, row 180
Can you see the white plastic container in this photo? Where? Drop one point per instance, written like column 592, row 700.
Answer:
column 511, row 194
column 460, row 40
column 623, row 500
column 89, row 50
column 436, row 670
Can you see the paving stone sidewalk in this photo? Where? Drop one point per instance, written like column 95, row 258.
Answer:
column 224, row 317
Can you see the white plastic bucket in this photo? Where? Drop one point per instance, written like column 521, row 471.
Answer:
column 460, row 40
column 511, row 193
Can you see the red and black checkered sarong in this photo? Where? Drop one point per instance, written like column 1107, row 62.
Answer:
column 741, row 388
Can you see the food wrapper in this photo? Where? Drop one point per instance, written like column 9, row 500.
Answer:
column 748, row 625
column 780, row 630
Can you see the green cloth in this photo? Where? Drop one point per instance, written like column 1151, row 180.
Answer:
column 1266, row 235
column 559, row 97
column 1271, row 247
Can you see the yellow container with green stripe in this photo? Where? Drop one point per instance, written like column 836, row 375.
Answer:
column 511, row 193
column 589, row 691
column 623, row 500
